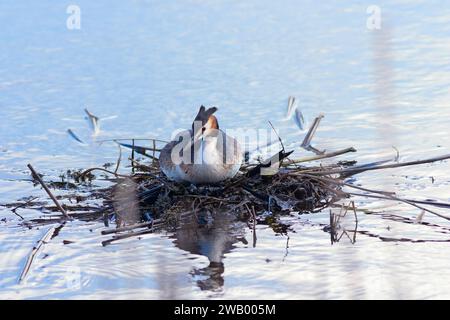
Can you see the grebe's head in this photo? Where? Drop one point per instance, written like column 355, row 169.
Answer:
column 205, row 122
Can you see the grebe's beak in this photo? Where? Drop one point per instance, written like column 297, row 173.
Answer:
column 199, row 134
column 198, row 128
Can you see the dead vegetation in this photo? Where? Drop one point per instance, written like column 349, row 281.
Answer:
column 145, row 200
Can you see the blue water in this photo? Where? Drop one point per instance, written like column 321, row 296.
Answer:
column 146, row 66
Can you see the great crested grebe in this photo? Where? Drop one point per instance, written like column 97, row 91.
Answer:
column 203, row 154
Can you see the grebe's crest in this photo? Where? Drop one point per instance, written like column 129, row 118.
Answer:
column 204, row 114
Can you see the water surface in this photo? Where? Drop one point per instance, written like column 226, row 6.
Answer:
column 148, row 65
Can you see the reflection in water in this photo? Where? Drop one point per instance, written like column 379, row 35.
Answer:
column 211, row 234
column 336, row 228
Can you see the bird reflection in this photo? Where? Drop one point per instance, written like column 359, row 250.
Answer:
column 211, row 234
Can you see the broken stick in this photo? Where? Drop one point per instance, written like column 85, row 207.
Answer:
column 38, row 178
column 47, row 236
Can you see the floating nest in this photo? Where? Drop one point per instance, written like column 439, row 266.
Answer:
column 145, row 200
column 149, row 194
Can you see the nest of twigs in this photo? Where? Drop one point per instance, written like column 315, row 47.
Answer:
column 150, row 194
column 145, row 200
